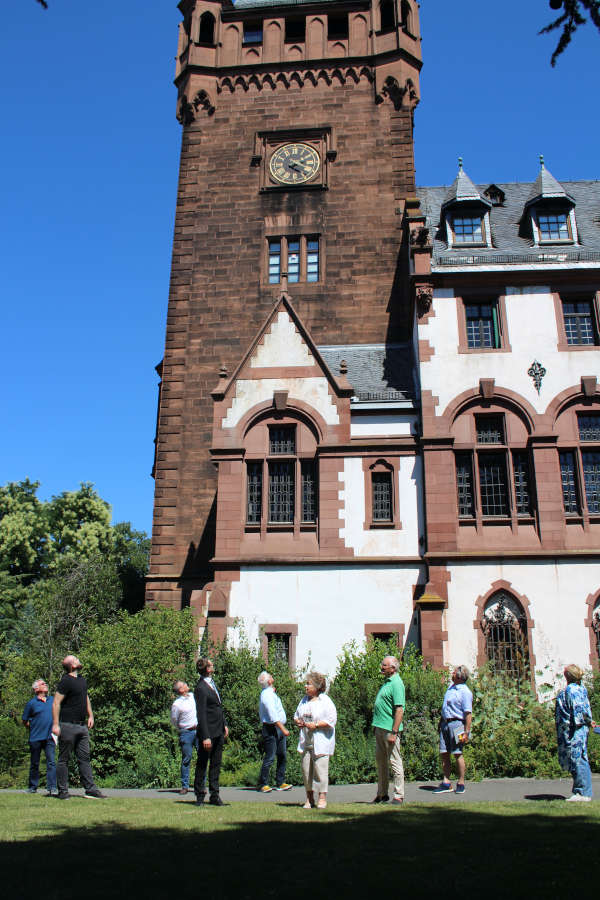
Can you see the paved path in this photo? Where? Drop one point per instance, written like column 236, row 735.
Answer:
column 488, row 791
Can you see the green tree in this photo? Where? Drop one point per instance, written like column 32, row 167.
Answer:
column 78, row 523
column 23, row 528
column 131, row 552
column 570, row 19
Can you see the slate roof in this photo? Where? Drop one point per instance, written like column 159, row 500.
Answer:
column 377, row 372
column 546, row 187
column 464, row 189
column 259, row 4
column 511, row 245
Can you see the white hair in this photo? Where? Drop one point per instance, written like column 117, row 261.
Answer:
column 36, row 682
column 393, row 662
column 264, row 679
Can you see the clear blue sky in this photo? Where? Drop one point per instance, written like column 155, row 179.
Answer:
column 88, row 162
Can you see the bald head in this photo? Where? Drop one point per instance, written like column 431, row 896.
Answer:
column 71, row 663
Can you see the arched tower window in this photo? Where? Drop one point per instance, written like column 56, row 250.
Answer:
column 207, row 28
column 504, row 627
column 388, row 19
column 406, row 16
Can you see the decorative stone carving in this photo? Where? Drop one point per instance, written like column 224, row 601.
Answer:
column 537, row 372
column 424, row 299
column 188, row 112
column 420, row 236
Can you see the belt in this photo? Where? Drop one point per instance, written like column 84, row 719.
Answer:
column 453, row 720
column 193, row 728
column 79, row 722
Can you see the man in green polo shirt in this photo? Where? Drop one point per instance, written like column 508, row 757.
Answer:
column 387, row 722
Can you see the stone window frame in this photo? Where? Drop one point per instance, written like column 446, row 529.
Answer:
column 464, row 211
column 593, row 607
column 264, row 458
column 577, row 447
column 268, row 628
column 285, row 234
column 523, row 601
column 374, row 628
column 470, row 299
column 508, row 448
column 391, row 466
column 559, row 297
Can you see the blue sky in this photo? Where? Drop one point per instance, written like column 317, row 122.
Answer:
column 88, row 163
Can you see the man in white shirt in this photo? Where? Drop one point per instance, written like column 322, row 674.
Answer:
column 183, row 717
column 274, row 734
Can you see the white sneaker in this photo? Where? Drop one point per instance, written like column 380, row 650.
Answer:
column 574, row 798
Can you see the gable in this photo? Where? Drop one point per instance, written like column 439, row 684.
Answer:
column 281, row 345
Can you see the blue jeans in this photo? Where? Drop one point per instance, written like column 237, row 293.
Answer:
column 35, row 748
column 582, row 776
column 187, row 741
column 275, row 745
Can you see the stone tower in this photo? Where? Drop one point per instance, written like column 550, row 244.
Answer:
column 296, row 166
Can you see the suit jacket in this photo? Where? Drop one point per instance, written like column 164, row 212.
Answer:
column 211, row 718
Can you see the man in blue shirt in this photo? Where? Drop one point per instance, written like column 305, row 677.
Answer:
column 455, row 728
column 274, row 734
column 37, row 717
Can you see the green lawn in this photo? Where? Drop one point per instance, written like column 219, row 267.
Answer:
column 161, row 849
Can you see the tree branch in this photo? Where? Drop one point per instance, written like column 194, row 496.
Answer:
column 570, row 20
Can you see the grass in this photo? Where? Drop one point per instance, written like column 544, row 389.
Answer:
column 159, row 849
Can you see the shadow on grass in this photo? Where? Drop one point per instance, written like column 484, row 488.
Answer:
column 333, row 854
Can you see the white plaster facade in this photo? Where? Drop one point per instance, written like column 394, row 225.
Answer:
column 330, row 604
column 532, row 334
column 557, row 591
column 312, row 391
column 408, row 495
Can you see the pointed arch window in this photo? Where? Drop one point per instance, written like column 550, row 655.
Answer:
column 504, row 627
column 388, row 19
column 596, row 628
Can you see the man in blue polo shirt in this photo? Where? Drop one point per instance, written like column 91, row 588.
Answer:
column 274, row 734
column 455, row 728
column 37, row 717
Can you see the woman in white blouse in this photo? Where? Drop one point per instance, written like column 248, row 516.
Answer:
column 316, row 715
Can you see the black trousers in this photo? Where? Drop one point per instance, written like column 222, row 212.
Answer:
column 212, row 759
column 74, row 738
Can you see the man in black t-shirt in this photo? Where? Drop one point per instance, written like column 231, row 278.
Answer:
column 71, row 717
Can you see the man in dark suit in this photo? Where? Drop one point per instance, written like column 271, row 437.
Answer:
column 212, row 731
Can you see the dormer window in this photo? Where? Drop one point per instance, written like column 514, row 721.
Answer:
column 554, row 226
column 467, row 230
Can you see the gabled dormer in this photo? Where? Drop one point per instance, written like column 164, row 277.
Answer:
column 466, row 214
column 549, row 214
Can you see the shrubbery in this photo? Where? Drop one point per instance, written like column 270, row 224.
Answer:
column 131, row 662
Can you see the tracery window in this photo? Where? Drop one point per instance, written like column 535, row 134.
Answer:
column 281, row 485
column 504, row 626
column 580, row 468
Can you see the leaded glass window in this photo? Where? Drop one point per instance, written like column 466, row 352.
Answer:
column 464, row 485
column 493, row 484
column 254, row 510
column 381, row 484
column 279, row 647
column 523, row 503
column 309, row 493
column 596, row 629
column 579, row 322
column 589, row 426
column 490, row 429
column 569, row 482
column 591, row 479
column 483, row 331
column 282, row 439
column 281, row 492
column 504, row 626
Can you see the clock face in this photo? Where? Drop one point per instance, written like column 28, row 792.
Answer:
column 294, row 164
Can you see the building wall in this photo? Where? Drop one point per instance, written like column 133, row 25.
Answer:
column 331, row 605
column 557, row 591
column 532, row 334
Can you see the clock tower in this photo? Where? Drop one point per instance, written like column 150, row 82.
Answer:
column 296, row 168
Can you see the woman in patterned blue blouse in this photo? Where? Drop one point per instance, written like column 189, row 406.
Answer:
column 573, row 720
